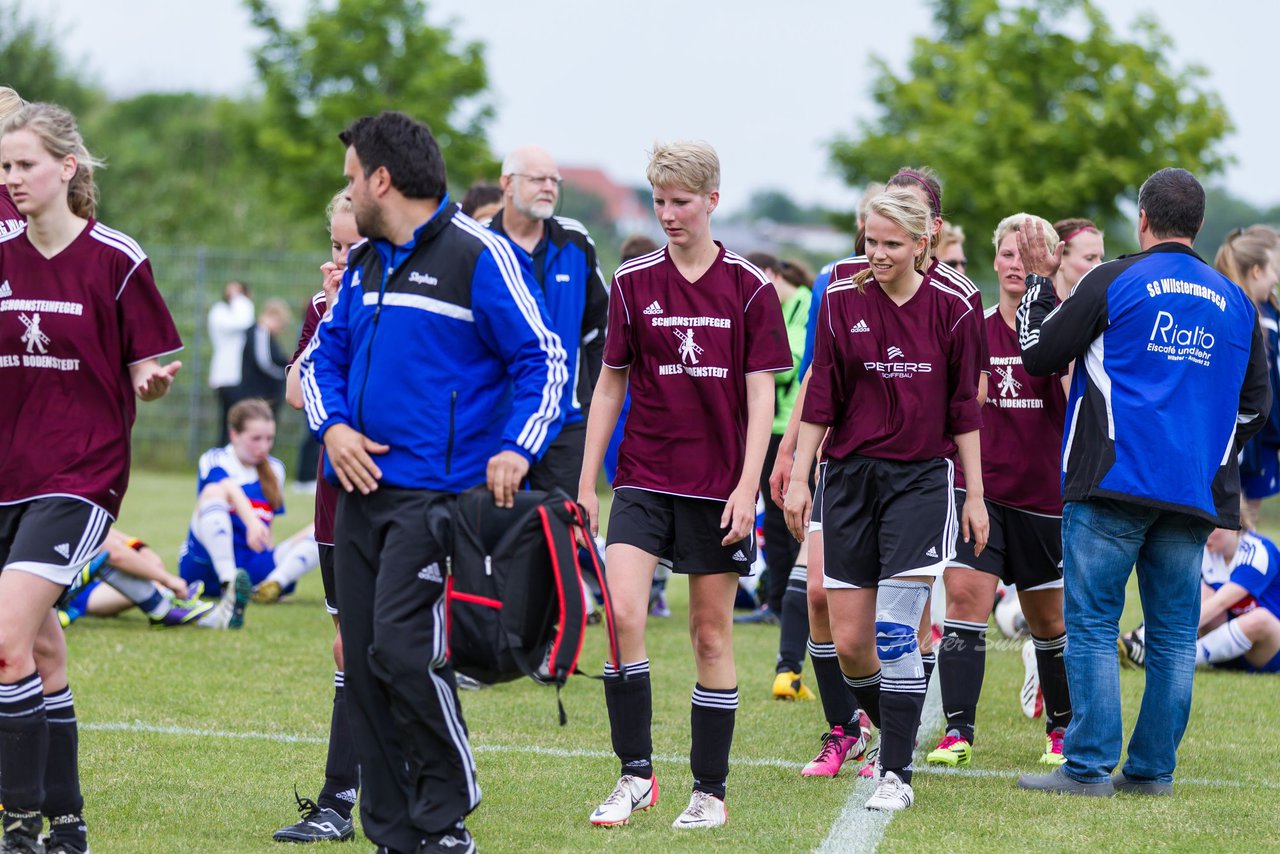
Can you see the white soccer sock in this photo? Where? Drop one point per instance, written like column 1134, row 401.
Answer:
column 300, row 558
column 1222, row 644
column 213, row 530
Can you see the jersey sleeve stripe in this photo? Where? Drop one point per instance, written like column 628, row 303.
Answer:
column 640, row 262
column 533, row 436
column 118, row 240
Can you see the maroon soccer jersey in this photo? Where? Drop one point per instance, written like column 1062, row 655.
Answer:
column 10, row 219
column 326, row 493
column 894, row 381
column 70, row 326
column 1022, row 426
column 689, row 346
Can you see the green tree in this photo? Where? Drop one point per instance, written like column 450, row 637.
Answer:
column 180, row 172
column 32, row 63
column 1016, row 113
column 356, row 58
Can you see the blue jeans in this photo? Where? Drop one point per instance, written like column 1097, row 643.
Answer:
column 1102, row 540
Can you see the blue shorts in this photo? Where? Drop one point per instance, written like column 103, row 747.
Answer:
column 193, row 569
column 1260, row 471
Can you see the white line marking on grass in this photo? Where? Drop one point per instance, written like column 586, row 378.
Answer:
column 858, row 829
column 139, row 726
column 571, row 753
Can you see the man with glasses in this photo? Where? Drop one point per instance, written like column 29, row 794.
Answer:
column 563, row 258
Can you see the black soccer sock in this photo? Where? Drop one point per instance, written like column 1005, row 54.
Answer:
column 24, row 744
column 711, row 723
column 865, row 691
column 930, row 661
column 963, row 657
column 900, row 708
column 341, row 770
column 837, row 703
column 1053, row 680
column 628, row 696
column 63, row 802
column 794, row 622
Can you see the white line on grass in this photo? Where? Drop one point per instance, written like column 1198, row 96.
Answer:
column 858, row 829
column 570, row 753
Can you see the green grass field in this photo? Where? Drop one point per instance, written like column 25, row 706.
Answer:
column 192, row 741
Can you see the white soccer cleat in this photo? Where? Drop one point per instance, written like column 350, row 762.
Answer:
column 220, row 616
column 891, row 794
column 1030, row 698
column 704, row 810
column 632, row 794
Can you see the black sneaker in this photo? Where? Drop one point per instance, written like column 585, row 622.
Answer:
column 457, row 841
column 316, row 825
column 21, row 832
column 67, row 835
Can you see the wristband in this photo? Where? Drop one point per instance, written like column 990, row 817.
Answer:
column 1033, row 280
column 136, row 544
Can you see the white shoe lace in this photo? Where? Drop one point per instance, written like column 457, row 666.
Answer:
column 620, row 791
column 698, row 805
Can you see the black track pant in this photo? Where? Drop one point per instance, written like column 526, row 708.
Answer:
column 417, row 771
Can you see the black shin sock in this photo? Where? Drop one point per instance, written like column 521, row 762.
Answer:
column 711, row 720
column 629, row 698
column 341, row 769
column 63, row 801
column 795, row 623
column 963, row 658
column 837, row 703
column 24, row 745
column 1053, row 680
column 865, row 691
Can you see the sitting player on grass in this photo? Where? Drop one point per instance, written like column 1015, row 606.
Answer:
column 127, row 573
column 1239, row 605
column 240, row 491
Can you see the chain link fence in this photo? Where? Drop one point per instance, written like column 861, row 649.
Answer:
column 172, row 432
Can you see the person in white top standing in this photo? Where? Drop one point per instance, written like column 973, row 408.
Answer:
column 229, row 321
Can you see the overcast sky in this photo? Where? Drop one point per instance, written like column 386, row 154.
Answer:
column 597, row 81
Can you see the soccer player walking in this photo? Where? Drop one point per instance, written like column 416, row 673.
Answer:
column 328, row 817
column 696, row 333
column 82, row 328
column 894, row 379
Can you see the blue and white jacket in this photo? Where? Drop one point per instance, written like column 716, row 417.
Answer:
column 577, row 304
column 440, row 349
column 1170, row 382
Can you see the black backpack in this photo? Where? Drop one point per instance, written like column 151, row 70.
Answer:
column 515, row 589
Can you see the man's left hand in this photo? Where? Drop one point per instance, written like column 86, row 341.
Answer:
column 506, row 471
column 1033, row 249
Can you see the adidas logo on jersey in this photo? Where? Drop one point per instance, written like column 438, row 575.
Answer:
column 5, row 290
column 653, row 308
column 431, row 572
column 739, row 556
column 933, row 552
column 861, row 326
column 63, row 549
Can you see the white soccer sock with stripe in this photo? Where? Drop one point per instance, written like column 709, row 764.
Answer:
column 1222, row 644
column 300, row 558
column 213, row 530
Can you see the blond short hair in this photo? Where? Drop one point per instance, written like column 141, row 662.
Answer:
column 338, row 204
column 1015, row 221
column 10, row 102
column 692, row 166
